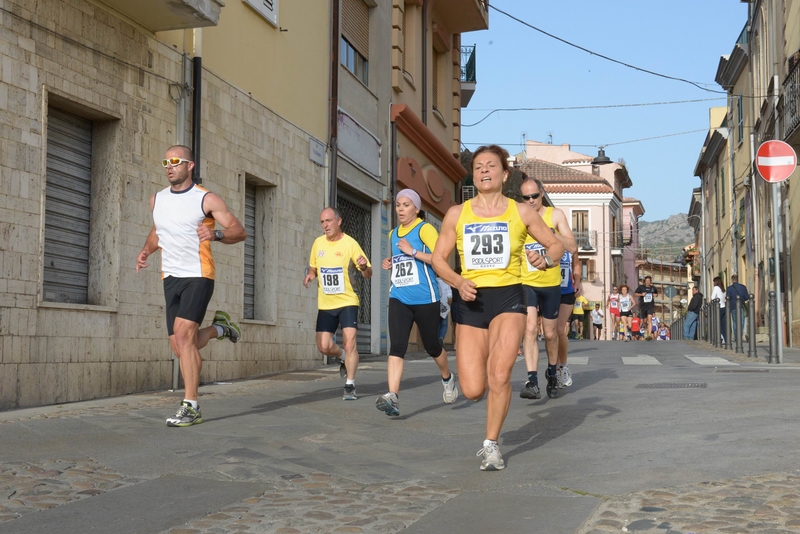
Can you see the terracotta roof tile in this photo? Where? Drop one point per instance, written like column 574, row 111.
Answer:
column 560, row 179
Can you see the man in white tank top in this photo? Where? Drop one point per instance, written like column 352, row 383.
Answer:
column 184, row 216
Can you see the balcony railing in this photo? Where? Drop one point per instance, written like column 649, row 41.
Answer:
column 621, row 239
column 791, row 95
column 587, row 240
column 468, row 64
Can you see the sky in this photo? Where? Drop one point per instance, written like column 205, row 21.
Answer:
column 518, row 67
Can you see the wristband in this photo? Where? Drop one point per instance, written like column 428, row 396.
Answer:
column 414, row 253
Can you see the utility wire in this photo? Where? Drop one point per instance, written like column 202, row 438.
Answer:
column 699, row 85
column 603, row 145
column 570, row 108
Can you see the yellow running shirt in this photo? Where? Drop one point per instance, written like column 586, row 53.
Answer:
column 531, row 276
column 490, row 249
column 332, row 260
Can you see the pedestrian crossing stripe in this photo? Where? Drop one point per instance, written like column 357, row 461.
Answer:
column 641, row 359
column 709, row 360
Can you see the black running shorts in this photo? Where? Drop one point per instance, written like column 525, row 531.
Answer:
column 403, row 316
column 547, row 299
column 489, row 303
column 329, row 320
column 568, row 298
column 187, row 298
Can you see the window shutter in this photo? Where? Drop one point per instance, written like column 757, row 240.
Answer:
column 592, row 276
column 355, row 25
column 249, row 251
column 67, row 208
column 435, row 77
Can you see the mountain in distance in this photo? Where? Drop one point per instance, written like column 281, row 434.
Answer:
column 666, row 237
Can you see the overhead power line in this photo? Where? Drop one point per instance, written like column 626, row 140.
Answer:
column 699, row 85
column 517, row 143
column 605, row 106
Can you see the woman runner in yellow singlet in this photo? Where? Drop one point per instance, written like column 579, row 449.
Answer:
column 489, row 232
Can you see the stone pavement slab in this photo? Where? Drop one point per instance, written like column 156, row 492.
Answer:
column 143, row 507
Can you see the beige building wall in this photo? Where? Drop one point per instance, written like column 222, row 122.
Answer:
column 117, row 344
column 285, row 66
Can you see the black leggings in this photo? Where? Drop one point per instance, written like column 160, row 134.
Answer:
column 403, row 316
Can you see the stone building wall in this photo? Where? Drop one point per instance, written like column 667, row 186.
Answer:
column 79, row 57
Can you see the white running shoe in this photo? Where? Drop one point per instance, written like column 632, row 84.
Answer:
column 450, row 393
column 565, row 378
column 492, row 460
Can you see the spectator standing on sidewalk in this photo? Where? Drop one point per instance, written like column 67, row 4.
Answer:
column 719, row 293
column 737, row 290
column 692, row 313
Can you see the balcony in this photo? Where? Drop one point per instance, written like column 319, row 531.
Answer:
column 468, row 76
column 464, row 15
column 587, row 241
column 791, row 105
column 163, row 15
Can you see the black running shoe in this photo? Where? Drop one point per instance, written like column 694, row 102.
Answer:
column 552, row 384
column 342, row 369
column 530, row 391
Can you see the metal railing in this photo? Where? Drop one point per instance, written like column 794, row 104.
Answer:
column 586, row 239
column 791, row 102
column 468, row 73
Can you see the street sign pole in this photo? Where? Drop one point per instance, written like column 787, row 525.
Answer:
column 776, row 161
column 776, row 225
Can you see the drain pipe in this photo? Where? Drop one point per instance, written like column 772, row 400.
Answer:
column 334, row 102
column 425, row 6
column 197, row 95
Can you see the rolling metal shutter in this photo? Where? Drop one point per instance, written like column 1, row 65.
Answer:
column 250, row 251
column 355, row 25
column 67, row 208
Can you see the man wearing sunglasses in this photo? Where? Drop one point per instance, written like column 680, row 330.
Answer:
column 543, row 296
column 184, row 216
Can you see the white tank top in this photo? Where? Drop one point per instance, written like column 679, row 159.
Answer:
column 176, row 216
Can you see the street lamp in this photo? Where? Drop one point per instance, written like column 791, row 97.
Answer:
column 601, row 158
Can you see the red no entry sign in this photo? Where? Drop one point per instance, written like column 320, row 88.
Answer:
column 775, row 161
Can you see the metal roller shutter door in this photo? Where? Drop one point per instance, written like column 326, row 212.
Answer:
column 67, row 208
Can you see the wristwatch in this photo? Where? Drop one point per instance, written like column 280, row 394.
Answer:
column 548, row 261
column 218, row 235
column 414, row 253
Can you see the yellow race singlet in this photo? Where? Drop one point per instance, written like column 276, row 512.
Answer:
column 531, row 276
column 332, row 260
column 490, row 249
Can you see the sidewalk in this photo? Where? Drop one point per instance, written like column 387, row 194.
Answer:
column 667, row 437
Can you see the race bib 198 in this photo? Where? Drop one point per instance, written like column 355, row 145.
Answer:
column 332, row 280
column 648, row 297
column 486, row 245
column 404, row 271
column 536, row 247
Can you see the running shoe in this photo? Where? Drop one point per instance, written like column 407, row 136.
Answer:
column 185, row 416
column 566, row 377
column 492, row 460
column 229, row 330
column 388, row 403
column 342, row 369
column 450, row 393
column 349, row 392
column 552, row 384
column 530, row 391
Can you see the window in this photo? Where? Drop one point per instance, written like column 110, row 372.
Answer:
column 355, row 62
column 580, row 221
column 82, row 198
column 259, row 271
column 68, row 200
column 355, row 38
column 722, row 191
column 740, row 114
column 266, row 8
